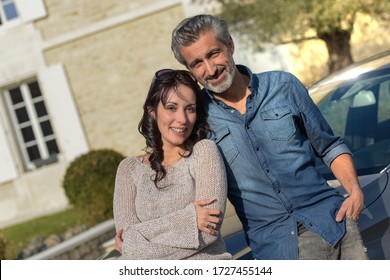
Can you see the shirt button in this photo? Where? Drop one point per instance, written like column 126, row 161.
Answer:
column 232, row 111
column 247, row 127
column 292, row 232
column 257, row 149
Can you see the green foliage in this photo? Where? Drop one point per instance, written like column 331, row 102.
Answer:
column 2, row 247
column 89, row 184
column 19, row 235
column 284, row 21
column 260, row 22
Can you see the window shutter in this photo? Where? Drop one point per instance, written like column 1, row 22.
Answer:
column 8, row 169
column 63, row 112
column 30, row 10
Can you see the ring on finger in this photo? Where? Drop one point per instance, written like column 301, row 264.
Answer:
column 210, row 225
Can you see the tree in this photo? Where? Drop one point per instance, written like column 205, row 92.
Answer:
column 259, row 22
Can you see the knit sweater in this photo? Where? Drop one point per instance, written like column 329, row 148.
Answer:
column 160, row 222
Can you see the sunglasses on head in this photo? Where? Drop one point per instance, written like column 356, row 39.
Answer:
column 167, row 74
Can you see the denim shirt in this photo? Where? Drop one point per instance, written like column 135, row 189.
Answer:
column 269, row 155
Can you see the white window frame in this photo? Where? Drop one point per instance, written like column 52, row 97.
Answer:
column 64, row 118
column 27, row 11
column 34, row 121
column 3, row 17
column 8, row 165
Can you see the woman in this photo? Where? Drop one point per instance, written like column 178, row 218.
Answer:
column 170, row 201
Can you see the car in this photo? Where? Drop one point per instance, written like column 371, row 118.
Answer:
column 355, row 101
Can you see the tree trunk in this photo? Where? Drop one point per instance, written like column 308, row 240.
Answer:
column 339, row 49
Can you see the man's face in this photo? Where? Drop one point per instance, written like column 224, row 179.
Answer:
column 210, row 62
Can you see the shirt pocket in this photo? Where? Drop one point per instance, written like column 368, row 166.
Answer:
column 279, row 123
column 224, row 140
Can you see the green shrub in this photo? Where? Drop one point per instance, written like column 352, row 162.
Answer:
column 2, row 247
column 89, row 184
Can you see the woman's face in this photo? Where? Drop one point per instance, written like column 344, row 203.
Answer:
column 176, row 119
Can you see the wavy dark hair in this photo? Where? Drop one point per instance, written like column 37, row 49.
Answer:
column 159, row 91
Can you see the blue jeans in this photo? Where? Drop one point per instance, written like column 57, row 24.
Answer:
column 311, row 246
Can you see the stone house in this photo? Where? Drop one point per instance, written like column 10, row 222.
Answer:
column 73, row 77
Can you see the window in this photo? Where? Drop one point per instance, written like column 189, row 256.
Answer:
column 31, row 125
column 8, row 11
column 359, row 111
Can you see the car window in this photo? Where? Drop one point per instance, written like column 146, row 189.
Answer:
column 359, row 111
column 384, row 104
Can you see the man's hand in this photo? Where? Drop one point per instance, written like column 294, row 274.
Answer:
column 351, row 206
column 119, row 241
column 344, row 170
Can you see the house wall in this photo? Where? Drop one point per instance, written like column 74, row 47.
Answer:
column 110, row 72
column 94, row 61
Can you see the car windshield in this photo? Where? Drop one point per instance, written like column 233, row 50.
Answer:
column 359, row 111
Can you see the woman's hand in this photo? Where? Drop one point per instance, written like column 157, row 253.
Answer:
column 208, row 220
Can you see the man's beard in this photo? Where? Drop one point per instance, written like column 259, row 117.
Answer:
column 223, row 85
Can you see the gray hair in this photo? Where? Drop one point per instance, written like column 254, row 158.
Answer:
column 189, row 30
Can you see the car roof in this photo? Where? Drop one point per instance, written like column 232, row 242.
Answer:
column 350, row 72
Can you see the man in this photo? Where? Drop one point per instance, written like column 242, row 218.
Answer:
column 269, row 131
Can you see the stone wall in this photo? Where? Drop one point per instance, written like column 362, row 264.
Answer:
column 88, row 245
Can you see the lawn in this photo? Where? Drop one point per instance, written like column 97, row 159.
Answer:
column 18, row 236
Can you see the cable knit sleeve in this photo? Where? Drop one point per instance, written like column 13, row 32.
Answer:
column 162, row 238
column 124, row 196
column 173, row 236
column 210, row 178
